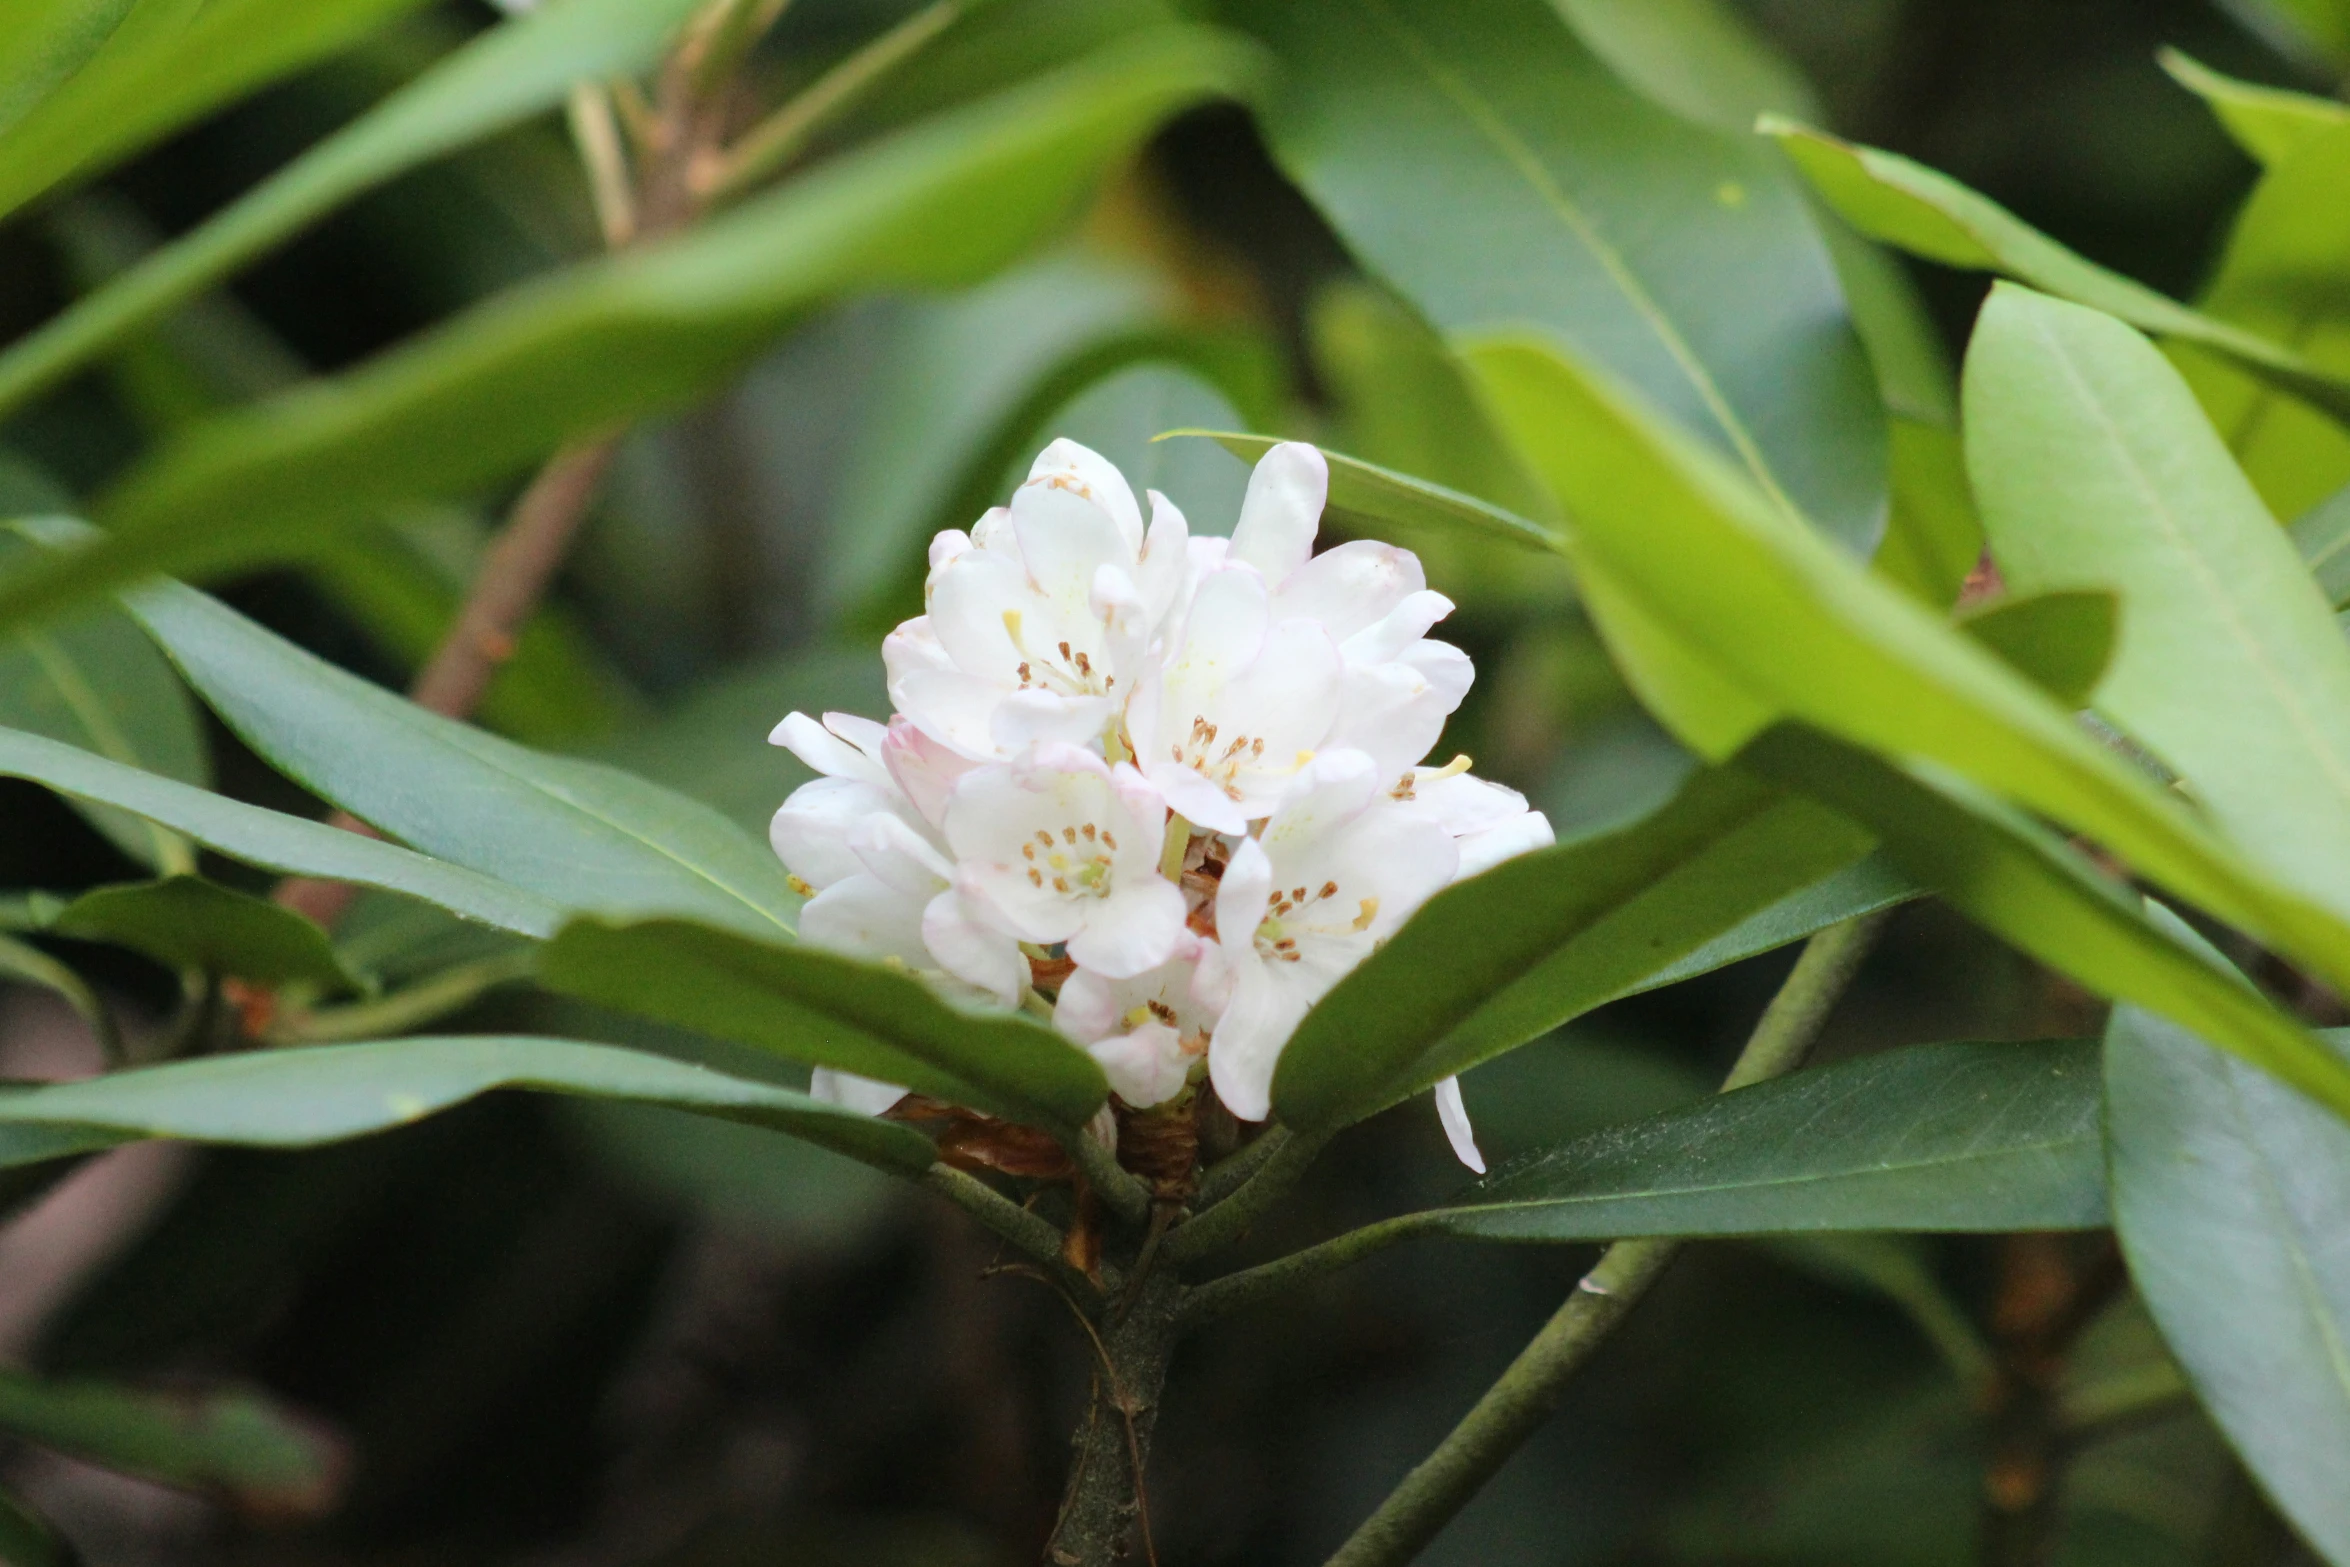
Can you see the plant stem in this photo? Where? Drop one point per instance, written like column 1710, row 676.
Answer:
column 785, row 134
column 406, row 1008
column 1027, row 1233
column 1226, row 1178
column 1220, row 1297
column 1107, row 1498
column 1229, row 1220
column 1116, row 1185
column 1524, row 1396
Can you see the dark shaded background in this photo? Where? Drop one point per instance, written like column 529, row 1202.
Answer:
column 557, row 1334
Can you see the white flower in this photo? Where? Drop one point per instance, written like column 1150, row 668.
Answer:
column 1338, row 868
column 1040, row 619
column 882, row 883
column 1079, row 680
column 1149, row 1031
column 1062, row 847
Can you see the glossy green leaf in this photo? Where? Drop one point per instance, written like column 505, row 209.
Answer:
column 1933, row 539
column 1917, row 209
column 2267, row 122
column 1968, row 1137
column 2017, row 879
column 944, row 202
column 1865, row 886
column 305, row 1096
column 212, row 1439
column 584, row 836
column 507, row 75
column 2322, row 535
column 2280, row 276
column 2094, row 468
column 1485, row 164
column 1777, row 624
column 42, row 42
column 2314, row 32
column 828, row 1010
column 96, row 682
column 271, row 840
column 165, row 64
column 2062, row 638
column 187, row 922
column 1699, row 58
column 2232, row 1195
column 1509, row 955
column 1365, row 496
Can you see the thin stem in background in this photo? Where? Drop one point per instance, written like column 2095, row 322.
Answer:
column 1526, row 1394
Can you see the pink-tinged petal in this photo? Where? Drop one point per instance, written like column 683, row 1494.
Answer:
column 863, row 733
column 913, row 645
column 1145, row 808
column 1080, row 470
column 1282, row 511
column 851, row 1092
column 1036, row 770
column 924, row 769
column 865, row 917
column 1133, row 930
column 1481, row 851
column 1457, row 1131
column 964, row 944
column 826, row 751
column 1447, row 669
column 1351, row 586
column 1025, row 718
column 1249, row 1039
column 1394, row 632
column 1145, row 1068
column 810, row 832
column 1089, row 1007
column 1212, row 979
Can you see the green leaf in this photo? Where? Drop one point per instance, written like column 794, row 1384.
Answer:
column 1933, row 539
column 2013, row 877
column 201, row 1438
column 1967, row 1137
column 166, row 64
column 2062, row 639
column 1481, row 161
column 303, row 1097
column 2267, row 122
column 828, row 1010
column 1363, row 496
column 30, row 965
column 187, row 922
column 26, row 1540
column 942, row 203
column 1699, row 58
column 1929, row 214
column 581, row 835
column 2322, row 535
column 1727, row 616
column 2280, row 277
column 508, row 74
column 1866, row 885
column 96, row 682
column 2314, row 32
column 1509, row 955
column 2094, row 468
column 2232, row 1195
column 288, row 845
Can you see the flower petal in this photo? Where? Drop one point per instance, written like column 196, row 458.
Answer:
column 967, row 946
column 1081, row 471
column 851, row 1092
column 1457, row 1131
column 1282, row 511
column 1133, row 930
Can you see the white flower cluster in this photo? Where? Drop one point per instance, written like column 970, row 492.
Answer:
column 1165, row 787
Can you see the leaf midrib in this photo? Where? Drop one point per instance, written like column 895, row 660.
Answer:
column 1488, row 122
column 1779, row 1183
